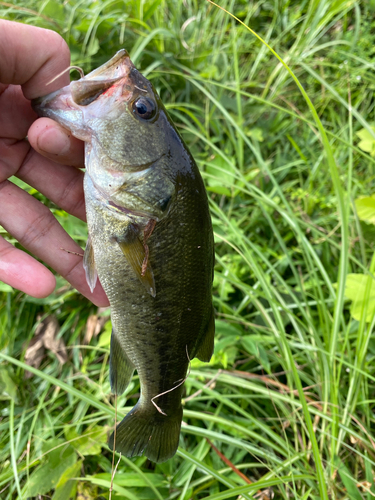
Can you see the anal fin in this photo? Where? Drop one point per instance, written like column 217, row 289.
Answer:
column 120, row 367
column 206, row 348
column 135, row 254
column 89, row 265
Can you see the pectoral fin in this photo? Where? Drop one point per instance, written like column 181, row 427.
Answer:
column 135, row 254
column 89, row 265
column 206, row 348
column 120, row 367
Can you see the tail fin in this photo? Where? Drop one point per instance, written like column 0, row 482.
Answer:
column 144, row 430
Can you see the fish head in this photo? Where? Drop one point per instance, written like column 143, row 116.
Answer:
column 116, row 106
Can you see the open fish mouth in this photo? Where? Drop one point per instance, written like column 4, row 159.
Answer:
column 84, row 91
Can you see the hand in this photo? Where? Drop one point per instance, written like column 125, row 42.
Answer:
column 29, row 58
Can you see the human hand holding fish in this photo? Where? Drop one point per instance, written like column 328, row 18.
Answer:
column 29, row 58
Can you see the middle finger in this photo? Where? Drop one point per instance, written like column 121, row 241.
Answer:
column 35, row 227
column 61, row 184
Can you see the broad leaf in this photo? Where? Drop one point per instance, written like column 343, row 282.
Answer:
column 367, row 142
column 47, row 475
column 89, row 442
column 355, row 290
column 66, row 488
column 366, row 208
column 8, row 387
column 221, row 176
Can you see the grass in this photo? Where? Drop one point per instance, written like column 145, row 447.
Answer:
column 271, row 115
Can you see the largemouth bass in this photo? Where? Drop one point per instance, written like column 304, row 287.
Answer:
column 150, row 243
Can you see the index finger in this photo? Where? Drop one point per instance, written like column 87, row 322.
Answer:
column 31, row 57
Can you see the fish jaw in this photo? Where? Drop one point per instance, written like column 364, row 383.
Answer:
column 59, row 106
column 117, row 67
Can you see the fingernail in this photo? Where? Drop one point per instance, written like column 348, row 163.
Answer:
column 54, row 141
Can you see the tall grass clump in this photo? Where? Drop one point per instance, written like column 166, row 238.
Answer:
column 275, row 101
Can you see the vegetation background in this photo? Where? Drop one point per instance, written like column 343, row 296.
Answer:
column 285, row 409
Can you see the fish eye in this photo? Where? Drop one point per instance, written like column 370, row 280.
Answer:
column 144, row 108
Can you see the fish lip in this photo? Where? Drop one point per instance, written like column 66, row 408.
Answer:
column 44, row 105
column 121, row 59
column 36, row 102
column 60, row 107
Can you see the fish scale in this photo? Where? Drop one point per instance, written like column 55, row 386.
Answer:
column 150, row 243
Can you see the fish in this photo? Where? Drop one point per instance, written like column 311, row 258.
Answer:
column 150, row 243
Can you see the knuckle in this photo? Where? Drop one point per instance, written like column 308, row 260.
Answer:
column 71, row 198
column 4, row 184
column 59, row 44
column 5, row 251
column 39, row 227
column 76, row 267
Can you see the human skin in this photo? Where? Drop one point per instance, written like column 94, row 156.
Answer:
column 49, row 160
